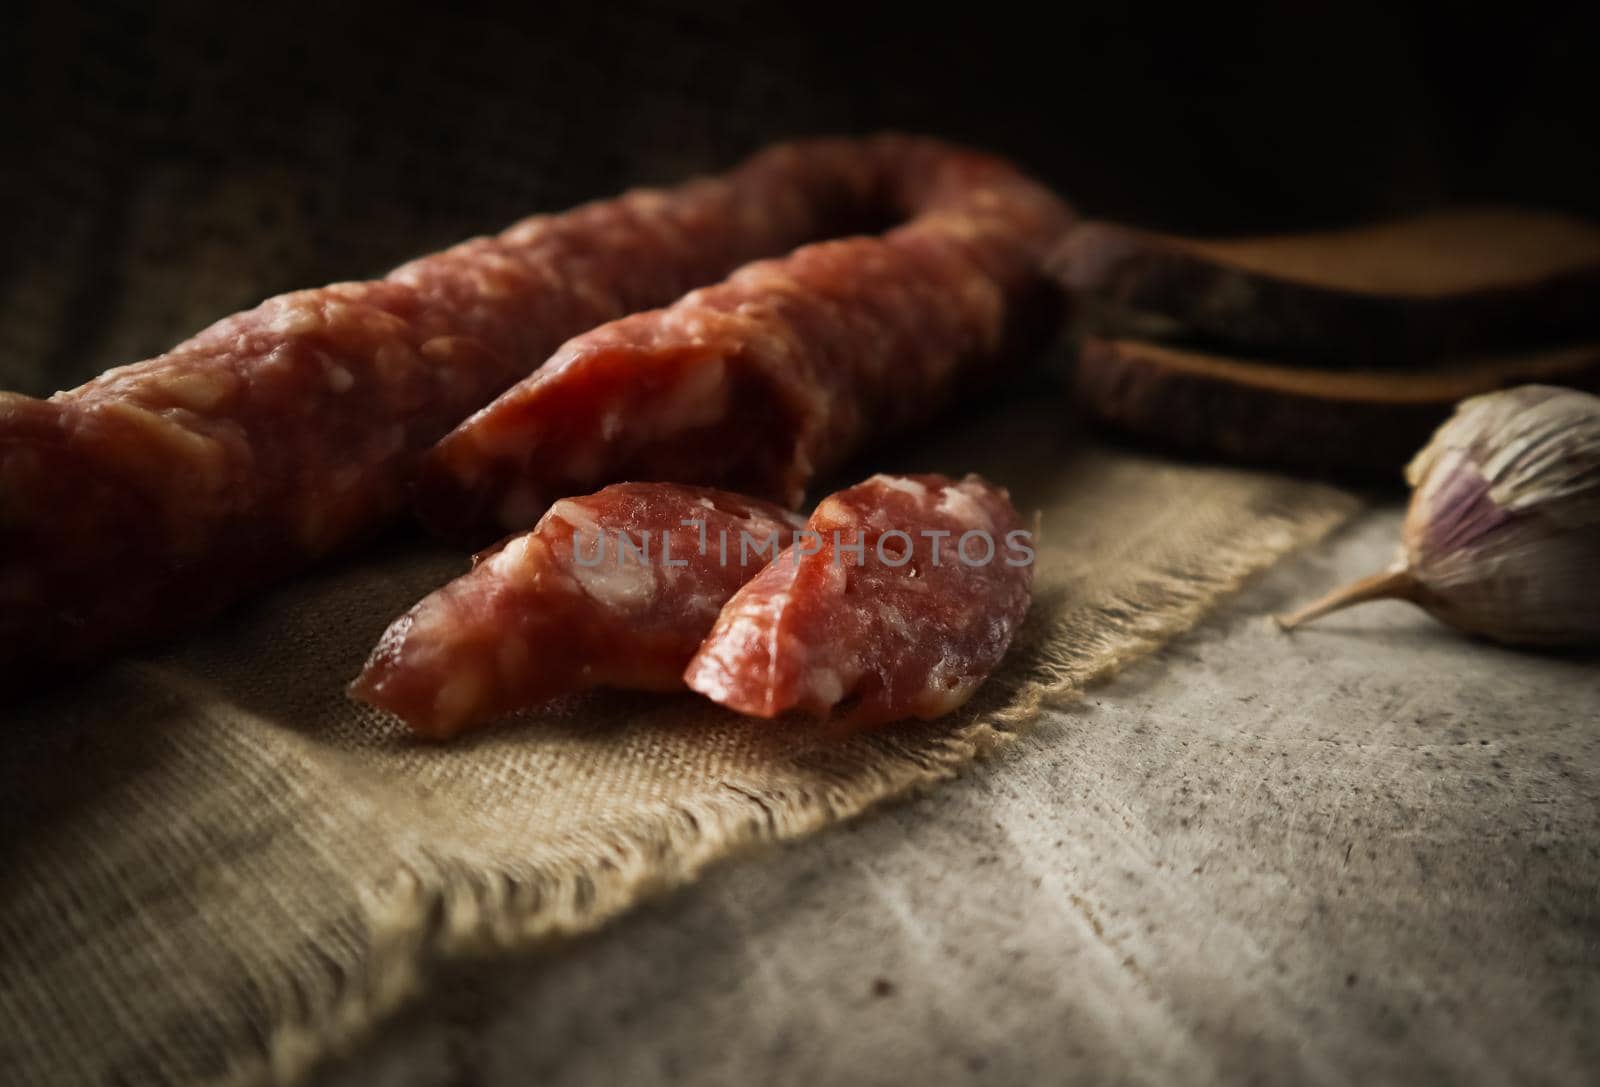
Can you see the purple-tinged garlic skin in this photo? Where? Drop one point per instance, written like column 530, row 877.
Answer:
column 1502, row 538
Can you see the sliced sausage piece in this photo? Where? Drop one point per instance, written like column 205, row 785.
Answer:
column 783, row 370
column 162, row 491
column 899, row 600
column 616, row 588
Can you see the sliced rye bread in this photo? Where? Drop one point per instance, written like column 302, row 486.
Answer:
column 1341, row 423
column 1399, row 293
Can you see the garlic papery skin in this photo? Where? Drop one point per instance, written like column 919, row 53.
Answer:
column 1502, row 537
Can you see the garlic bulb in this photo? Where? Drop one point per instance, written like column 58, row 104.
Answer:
column 1502, row 538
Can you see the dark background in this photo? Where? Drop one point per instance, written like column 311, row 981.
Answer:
column 165, row 167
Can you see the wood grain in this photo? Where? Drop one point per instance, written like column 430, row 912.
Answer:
column 1398, row 293
column 1344, row 423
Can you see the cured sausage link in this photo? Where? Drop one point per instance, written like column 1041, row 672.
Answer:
column 616, row 588
column 781, row 371
column 899, row 602
column 162, row 491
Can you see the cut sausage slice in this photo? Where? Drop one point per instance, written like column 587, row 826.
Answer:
column 1395, row 293
column 1336, row 422
column 898, row 601
column 780, row 372
column 616, row 588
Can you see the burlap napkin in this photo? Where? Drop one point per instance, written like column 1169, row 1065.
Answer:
column 218, row 868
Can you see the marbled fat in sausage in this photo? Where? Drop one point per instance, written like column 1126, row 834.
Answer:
column 616, row 588
column 164, row 490
column 882, row 608
column 781, row 371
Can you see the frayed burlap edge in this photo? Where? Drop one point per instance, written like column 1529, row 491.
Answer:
column 436, row 910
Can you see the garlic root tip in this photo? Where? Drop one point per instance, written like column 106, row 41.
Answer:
column 1386, row 585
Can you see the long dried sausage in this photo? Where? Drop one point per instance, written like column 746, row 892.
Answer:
column 616, row 588
column 900, row 599
column 781, row 371
column 162, row 491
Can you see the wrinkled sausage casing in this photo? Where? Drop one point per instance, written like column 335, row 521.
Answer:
column 905, row 626
column 163, row 490
column 616, row 588
column 783, row 370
